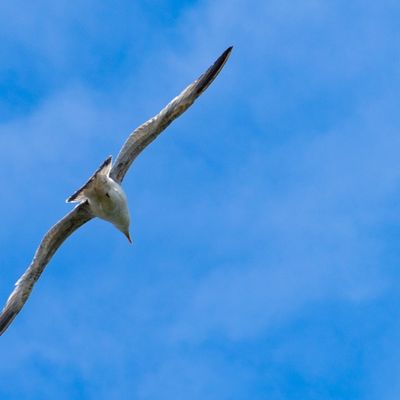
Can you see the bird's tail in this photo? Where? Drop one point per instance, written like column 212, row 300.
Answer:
column 79, row 195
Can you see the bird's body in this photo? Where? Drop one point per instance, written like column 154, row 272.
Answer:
column 106, row 198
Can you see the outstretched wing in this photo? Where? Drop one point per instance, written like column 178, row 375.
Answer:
column 81, row 214
column 146, row 133
column 49, row 245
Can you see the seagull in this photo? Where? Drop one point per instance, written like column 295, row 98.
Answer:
column 102, row 196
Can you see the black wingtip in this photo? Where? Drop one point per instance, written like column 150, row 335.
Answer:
column 5, row 320
column 205, row 80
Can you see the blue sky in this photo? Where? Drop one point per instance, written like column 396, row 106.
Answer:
column 266, row 219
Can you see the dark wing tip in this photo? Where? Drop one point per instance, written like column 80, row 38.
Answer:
column 229, row 49
column 205, row 80
column 6, row 318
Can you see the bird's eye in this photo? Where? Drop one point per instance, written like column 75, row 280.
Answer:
column 107, row 195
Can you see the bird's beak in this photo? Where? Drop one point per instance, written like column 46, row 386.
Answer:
column 128, row 235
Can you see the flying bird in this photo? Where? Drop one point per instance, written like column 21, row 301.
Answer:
column 102, row 195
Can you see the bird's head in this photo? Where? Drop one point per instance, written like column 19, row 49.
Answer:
column 124, row 228
column 122, row 221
